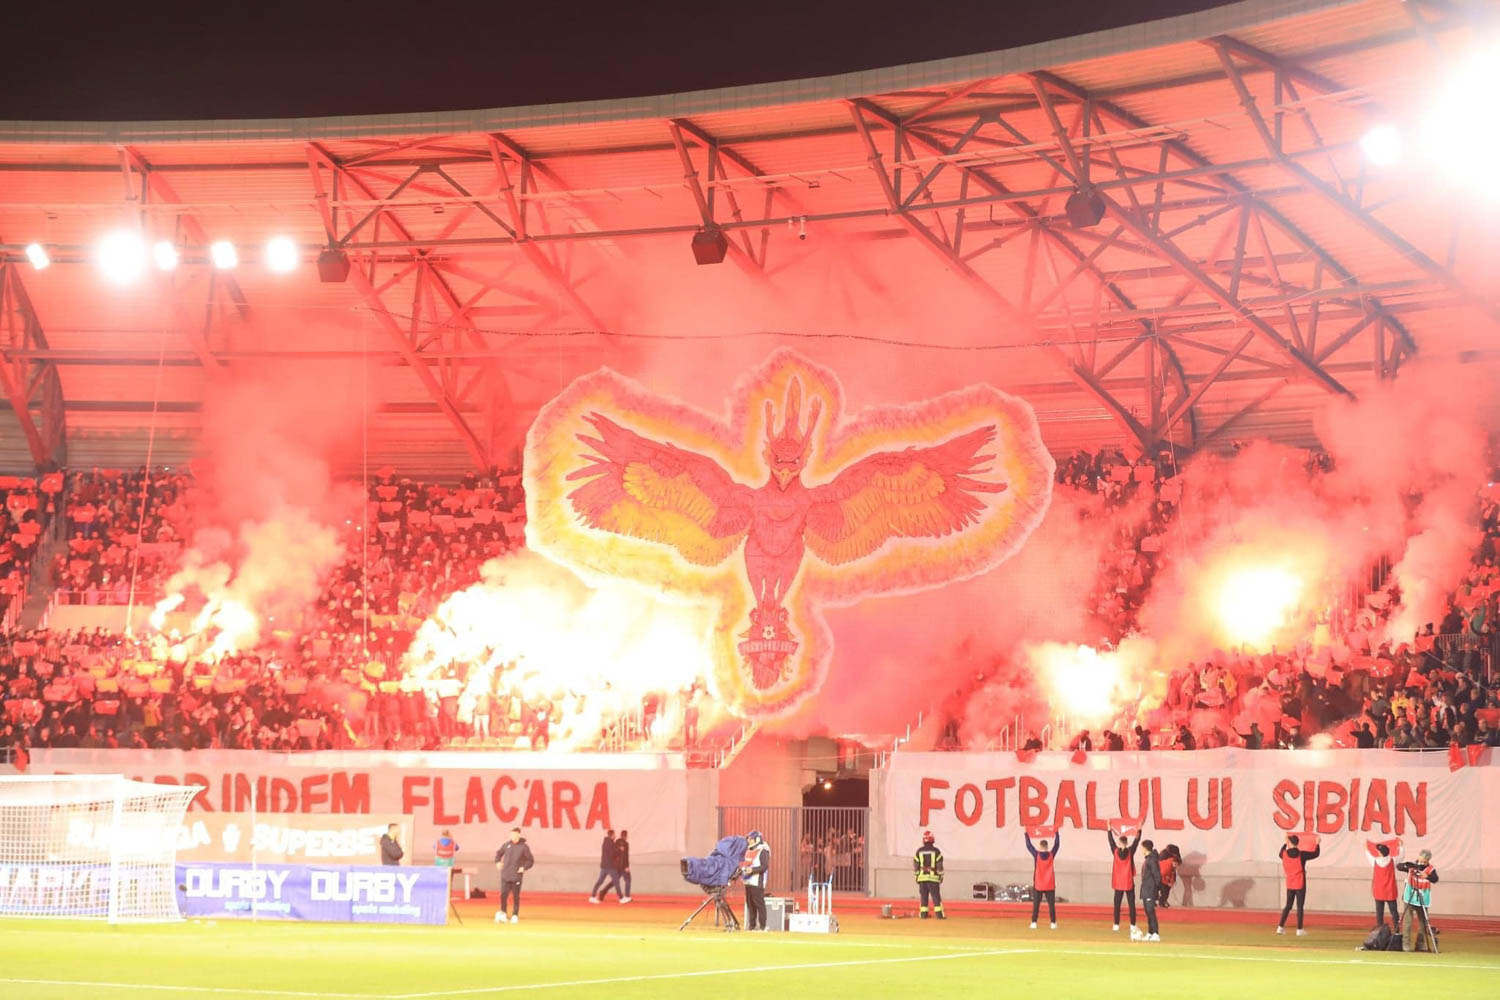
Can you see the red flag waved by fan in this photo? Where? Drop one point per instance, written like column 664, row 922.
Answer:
column 1043, row 843
column 1299, row 849
column 1124, row 837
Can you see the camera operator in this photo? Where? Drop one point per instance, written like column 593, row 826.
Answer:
column 754, row 872
column 1421, row 876
column 390, row 846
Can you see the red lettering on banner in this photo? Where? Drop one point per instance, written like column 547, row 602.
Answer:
column 1377, row 807
column 283, row 796
column 1066, row 809
column 1411, row 804
column 1159, row 819
column 413, row 793
column 536, row 805
column 1353, row 805
column 312, row 793
column 474, row 801
column 1332, row 800
column 1209, row 818
column 1033, row 803
column 599, row 807
column 1095, row 821
column 1282, row 799
column 565, row 799
column 260, row 794
column 968, row 814
column 243, row 792
column 350, row 793
column 439, row 817
column 931, row 802
column 1138, row 817
column 1307, row 804
column 998, row 786
column 1226, row 802
column 497, row 799
column 198, row 779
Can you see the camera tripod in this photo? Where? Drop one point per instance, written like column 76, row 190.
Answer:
column 723, row 914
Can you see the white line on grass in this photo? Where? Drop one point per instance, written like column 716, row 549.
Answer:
column 160, row 987
column 1222, row 957
column 521, row 987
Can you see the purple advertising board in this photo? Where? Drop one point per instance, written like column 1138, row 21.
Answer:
column 334, row 893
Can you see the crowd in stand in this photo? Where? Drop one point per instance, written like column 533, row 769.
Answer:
column 1433, row 692
column 335, row 679
column 332, row 681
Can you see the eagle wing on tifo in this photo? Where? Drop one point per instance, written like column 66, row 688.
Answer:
column 915, row 493
column 660, row 493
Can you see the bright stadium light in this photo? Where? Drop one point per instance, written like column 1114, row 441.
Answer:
column 165, row 255
column 1382, row 146
column 282, row 255
column 223, row 254
column 1454, row 135
column 122, row 257
column 37, row 254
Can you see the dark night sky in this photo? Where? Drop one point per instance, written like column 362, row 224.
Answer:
column 218, row 59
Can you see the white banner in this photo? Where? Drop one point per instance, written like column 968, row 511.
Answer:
column 563, row 803
column 1227, row 805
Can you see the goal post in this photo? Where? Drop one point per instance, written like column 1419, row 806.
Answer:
column 90, row 847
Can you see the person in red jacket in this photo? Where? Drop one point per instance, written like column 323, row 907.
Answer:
column 1294, row 865
column 1383, row 857
column 1044, row 876
column 1122, row 874
column 1171, row 858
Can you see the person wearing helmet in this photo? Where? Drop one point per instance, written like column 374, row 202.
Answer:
column 755, row 872
column 927, row 863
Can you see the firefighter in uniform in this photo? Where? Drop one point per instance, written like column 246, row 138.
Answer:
column 927, row 863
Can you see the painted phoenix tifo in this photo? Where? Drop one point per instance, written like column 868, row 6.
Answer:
column 818, row 509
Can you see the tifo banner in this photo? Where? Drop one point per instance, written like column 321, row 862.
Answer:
column 333, row 893
column 1228, row 805
column 564, row 810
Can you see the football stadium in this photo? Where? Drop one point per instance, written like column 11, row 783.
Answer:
column 614, row 540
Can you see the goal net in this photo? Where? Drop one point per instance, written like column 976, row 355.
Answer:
column 89, row 847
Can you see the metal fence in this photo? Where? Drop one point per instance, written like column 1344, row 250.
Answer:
column 826, row 842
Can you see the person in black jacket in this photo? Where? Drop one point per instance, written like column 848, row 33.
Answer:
column 609, row 870
column 622, row 858
column 390, row 846
column 514, row 859
column 1150, row 889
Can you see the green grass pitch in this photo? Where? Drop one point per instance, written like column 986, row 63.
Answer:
column 558, row 952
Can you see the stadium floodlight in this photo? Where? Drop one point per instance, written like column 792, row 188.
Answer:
column 90, row 847
column 1453, row 135
column 1382, row 145
column 122, row 256
column 165, row 255
column 37, row 254
column 223, row 254
column 282, row 255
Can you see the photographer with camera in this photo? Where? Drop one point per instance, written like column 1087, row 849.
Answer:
column 754, row 872
column 1421, row 876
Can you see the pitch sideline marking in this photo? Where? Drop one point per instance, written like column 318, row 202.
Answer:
column 697, row 974
column 1200, row 956
column 227, row 990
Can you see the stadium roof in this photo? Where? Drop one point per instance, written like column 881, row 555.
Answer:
column 911, row 222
